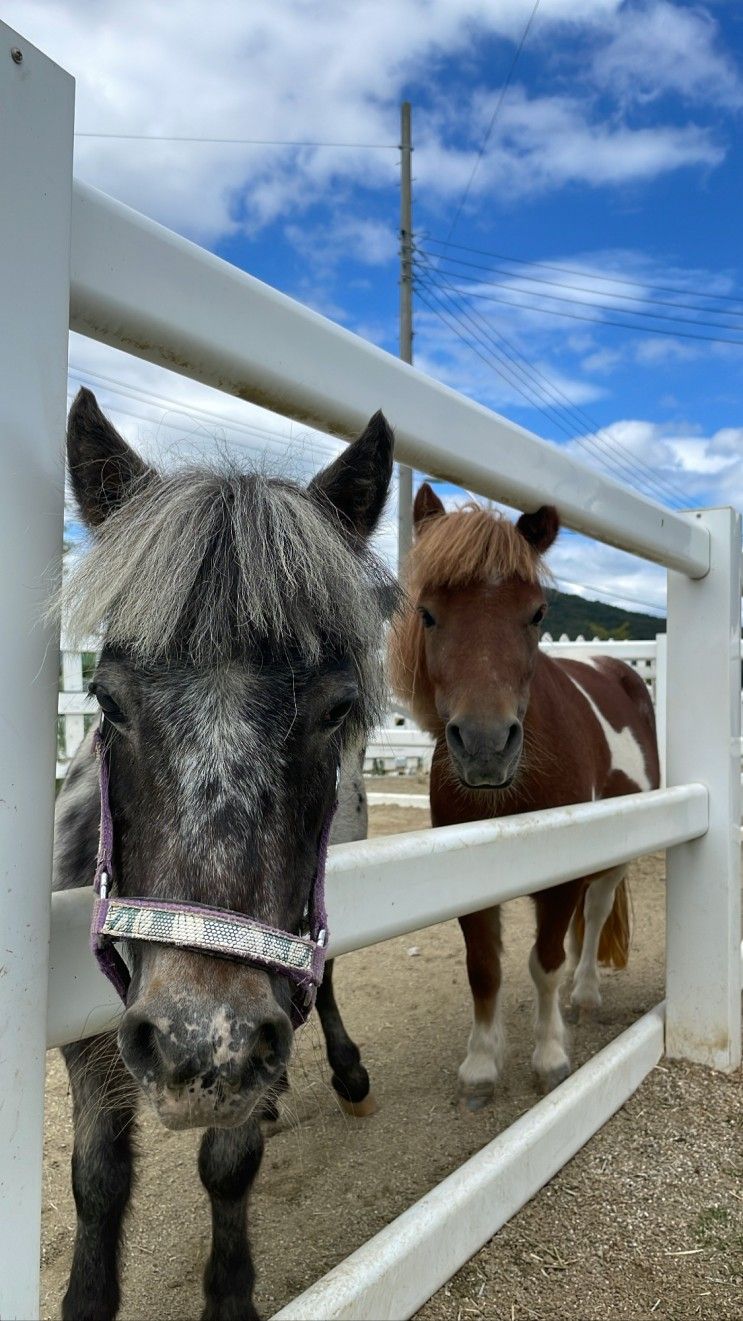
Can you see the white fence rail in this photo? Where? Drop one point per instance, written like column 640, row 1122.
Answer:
column 391, row 748
column 135, row 285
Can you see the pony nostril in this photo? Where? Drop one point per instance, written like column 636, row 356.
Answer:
column 454, row 737
column 272, row 1043
column 138, row 1045
column 514, row 735
column 266, row 1046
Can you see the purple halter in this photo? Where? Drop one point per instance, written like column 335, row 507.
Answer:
column 216, row 931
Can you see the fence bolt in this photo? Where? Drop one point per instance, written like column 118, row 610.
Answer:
column 16, row 55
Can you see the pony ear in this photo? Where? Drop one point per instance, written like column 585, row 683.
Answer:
column 426, row 505
column 357, row 482
column 103, row 469
column 541, row 528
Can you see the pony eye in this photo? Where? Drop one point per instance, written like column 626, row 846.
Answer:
column 108, row 705
column 426, row 616
column 539, row 616
column 335, row 715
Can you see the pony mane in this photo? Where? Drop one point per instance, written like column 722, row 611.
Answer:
column 205, row 564
column 454, row 550
column 471, row 545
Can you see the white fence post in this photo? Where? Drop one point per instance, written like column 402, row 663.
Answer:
column 703, row 1020
column 72, row 682
column 661, row 701
column 36, row 108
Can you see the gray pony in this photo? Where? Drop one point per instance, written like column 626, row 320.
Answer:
column 242, row 618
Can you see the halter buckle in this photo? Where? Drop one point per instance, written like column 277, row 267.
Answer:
column 103, row 885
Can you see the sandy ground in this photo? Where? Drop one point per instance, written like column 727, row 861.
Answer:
column 646, row 1221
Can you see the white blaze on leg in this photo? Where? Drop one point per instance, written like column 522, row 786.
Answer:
column 486, row 1051
column 550, row 1058
column 597, row 907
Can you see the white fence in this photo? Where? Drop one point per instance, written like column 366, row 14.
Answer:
column 391, row 748
column 69, row 254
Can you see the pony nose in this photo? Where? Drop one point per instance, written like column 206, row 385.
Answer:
column 477, row 741
column 252, row 1054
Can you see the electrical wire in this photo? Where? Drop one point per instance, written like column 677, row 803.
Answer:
column 618, row 596
column 618, row 466
column 554, row 284
column 596, row 444
column 575, row 270
column 581, row 302
column 238, row 142
column 581, row 418
column 494, row 116
column 624, row 465
column 151, row 399
column 602, row 321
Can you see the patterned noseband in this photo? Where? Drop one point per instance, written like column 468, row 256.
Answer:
column 216, row 931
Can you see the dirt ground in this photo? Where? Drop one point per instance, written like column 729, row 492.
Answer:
column 647, row 1220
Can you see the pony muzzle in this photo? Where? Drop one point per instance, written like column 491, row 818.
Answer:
column 205, row 1061
column 485, row 755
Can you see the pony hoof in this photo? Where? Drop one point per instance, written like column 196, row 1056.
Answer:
column 471, row 1105
column 359, row 1109
column 472, row 1099
column 553, row 1077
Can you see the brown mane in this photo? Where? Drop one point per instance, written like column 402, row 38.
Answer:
column 471, row 545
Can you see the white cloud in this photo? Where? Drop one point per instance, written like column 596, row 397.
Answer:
column 544, row 142
column 328, row 72
column 657, row 47
column 706, row 469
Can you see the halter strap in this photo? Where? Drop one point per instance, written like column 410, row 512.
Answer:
column 216, row 931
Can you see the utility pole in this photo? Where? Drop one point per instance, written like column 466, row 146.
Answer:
column 405, row 474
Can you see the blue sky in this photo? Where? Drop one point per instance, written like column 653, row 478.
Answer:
column 609, row 178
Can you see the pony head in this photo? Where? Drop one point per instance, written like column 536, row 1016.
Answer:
column 463, row 653
column 241, row 619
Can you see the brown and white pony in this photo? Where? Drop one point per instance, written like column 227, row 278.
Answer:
column 517, row 731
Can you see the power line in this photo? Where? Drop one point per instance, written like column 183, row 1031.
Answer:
column 151, row 399
column 627, row 467
column 574, row 270
column 618, row 596
column 238, row 142
column 580, row 302
column 602, row 321
column 619, row 466
column 597, row 443
column 493, row 118
column 557, row 284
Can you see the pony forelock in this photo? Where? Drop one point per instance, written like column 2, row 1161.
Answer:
column 203, row 564
column 468, row 546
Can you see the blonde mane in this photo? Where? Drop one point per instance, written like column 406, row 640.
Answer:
column 454, row 550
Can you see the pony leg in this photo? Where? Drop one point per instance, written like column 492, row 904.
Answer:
column 104, row 1100
column 229, row 1159
column 350, row 1079
column 555, row 908
column 598, row 903
column 486, row 1048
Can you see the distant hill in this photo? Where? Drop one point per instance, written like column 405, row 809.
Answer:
column 576, row 616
